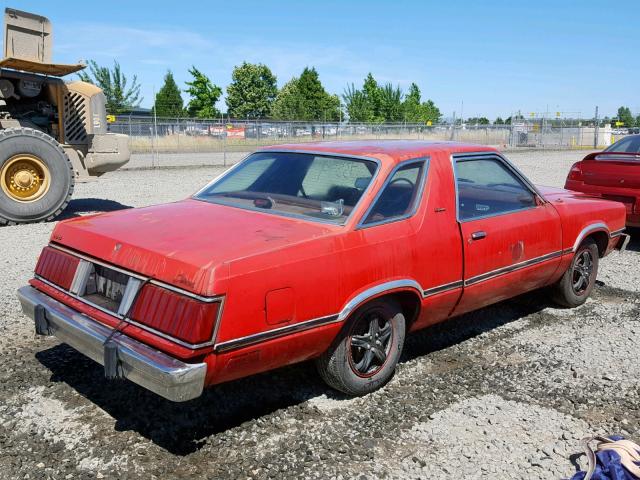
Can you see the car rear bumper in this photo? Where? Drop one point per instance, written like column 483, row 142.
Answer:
column 135, row 361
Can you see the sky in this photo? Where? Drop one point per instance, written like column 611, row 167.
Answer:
column 478, row 58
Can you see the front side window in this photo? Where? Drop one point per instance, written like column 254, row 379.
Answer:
column 399, row 196
column 321, row 187
column 488, row 187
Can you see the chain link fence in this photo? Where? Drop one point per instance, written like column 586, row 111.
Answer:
column 186, row 141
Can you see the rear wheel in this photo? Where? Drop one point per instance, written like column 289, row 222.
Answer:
column 578, row 281
column 364, row 356
column 36, row 176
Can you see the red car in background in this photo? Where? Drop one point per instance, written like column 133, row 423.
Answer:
column 613, row 174
column 327, row 251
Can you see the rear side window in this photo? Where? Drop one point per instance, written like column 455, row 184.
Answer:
column 488, row 187
column 399, row 196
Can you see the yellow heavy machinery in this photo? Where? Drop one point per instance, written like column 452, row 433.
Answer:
column 52, row 133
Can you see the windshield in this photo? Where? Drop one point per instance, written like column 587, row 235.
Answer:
column 320, row 187
column 630, row 144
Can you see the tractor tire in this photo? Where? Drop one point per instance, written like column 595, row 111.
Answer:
column 36, row 177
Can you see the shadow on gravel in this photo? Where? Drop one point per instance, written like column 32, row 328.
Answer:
column 183, row 428
column 446, row 334
column 83, row 206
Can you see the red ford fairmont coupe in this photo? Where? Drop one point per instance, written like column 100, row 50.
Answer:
column 325, row 251
column 613, row 174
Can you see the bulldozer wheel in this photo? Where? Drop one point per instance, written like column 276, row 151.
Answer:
column 36, row 177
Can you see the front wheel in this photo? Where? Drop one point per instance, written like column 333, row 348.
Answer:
column 364, row 356
column 576, row 284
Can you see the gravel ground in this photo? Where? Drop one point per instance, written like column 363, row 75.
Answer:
column 505, row 392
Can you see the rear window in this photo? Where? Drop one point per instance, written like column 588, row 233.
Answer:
column 630, row 144
column 320, row 187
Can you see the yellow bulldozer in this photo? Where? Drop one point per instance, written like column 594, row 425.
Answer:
column 52, row 133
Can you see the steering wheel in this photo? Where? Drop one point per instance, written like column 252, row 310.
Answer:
column 402, row 179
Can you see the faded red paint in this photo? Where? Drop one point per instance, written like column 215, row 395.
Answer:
column 316, row 269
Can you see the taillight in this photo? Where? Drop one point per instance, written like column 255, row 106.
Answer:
column 575, row 173
column 57, row 267
column 177, row 315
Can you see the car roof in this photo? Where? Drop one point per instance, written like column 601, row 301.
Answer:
column 392, row 151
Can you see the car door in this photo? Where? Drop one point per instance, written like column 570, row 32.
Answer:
column 512, row 237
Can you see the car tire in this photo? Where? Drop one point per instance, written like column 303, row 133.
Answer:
column 575, row 286
column 39, row 162
column 364, row 356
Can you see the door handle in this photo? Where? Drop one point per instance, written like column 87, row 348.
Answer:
column 478, row 235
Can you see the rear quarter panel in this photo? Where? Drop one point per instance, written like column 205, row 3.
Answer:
column 582, row 215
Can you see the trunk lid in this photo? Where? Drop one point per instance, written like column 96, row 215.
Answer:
column 188, row 244
column 619, row 170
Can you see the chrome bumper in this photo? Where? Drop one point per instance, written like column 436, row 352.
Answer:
column 149, row 368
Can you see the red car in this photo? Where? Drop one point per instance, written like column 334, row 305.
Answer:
column 613, row 174
column 326, row 251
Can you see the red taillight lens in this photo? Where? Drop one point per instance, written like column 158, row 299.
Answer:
column 176, row 315
column 57, row 267
column 575, row 173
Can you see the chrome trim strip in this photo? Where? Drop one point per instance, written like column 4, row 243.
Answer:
column 378, row 163
column 140, row 363
column 344, row 313
column 159, row 283
column 274, row 333
column 616, row 233
column 594, row 227
column 137, row 324
column 416, row 202
column 511, row 268
column 442, row 288
column 374, row 291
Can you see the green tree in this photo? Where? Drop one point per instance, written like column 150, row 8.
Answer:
column 365, row 105
column 373, row 95
column 289, row 104
column 625, row 116
column 417, row 111
column 356, row 104
column 318, row 104
column 391, row 103
column 304, row 98
column 411, row 104
column 429, row 112
column 478, row 121
column 204, row 95
column 252, row 91
column 498, row 121
column 169, row 101
column 120, row 97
